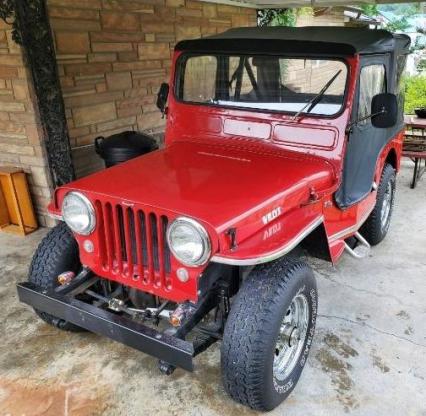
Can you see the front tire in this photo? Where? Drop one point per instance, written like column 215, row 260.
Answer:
column 260, row 335
column 57, row 253
column 377, row 225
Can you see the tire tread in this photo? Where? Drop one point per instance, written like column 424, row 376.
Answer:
column 248, row 329
column 44, row 267
column 371, row 229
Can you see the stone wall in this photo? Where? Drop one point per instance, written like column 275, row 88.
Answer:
column 20, row 132
column 112, row 56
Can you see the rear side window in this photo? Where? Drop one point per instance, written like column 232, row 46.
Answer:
column 372, row 82
column 400, row 88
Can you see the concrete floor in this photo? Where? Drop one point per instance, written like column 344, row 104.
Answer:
column 368, row 356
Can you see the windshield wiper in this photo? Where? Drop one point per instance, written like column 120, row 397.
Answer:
column 312, row 103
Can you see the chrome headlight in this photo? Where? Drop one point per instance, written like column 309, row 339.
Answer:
column 189, row 241
column 78, row 213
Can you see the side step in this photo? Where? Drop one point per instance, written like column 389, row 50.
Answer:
column 361, row 250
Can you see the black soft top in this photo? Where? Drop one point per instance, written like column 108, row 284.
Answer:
column 308, row 40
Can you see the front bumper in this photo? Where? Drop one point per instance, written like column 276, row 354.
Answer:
column 168, row 348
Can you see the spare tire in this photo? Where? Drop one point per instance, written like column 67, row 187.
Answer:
column 123, row 146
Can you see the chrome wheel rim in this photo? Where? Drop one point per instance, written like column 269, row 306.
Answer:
column 291, row 338
column 387, row 205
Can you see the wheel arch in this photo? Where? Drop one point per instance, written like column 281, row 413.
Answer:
column 391, row 159
column 313, row 238
column 316, row 243
column 390, row 155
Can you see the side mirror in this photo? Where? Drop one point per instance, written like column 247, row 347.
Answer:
column 384, row 110
column 162, row 95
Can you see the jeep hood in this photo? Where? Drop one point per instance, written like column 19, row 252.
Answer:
column 219, row 183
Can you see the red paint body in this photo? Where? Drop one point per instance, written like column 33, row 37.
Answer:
column 226, row 168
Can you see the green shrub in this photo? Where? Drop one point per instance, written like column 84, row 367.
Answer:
column 415, row 93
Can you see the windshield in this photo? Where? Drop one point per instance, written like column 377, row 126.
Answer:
column 269, row 83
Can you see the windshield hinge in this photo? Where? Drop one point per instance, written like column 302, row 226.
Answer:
column 313, row 194
column 313, row 197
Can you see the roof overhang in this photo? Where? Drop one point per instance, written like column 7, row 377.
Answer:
column 282, row 4
column 312, row 40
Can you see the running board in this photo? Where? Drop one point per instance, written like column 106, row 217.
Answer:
column 361, row 250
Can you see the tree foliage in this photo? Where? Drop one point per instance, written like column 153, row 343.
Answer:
column 277, row 17
column 398, row 24
column 402, row 13
column 401, row 9
column 370, row 9
column 415, row 93
column 281, row 17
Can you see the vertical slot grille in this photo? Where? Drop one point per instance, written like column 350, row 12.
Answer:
column 134, row 244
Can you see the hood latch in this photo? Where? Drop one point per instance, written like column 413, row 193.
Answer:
column 232, row 234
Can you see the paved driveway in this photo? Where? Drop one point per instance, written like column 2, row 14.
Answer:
column 368, row 356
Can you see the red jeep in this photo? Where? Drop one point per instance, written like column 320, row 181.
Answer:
column 279, row 142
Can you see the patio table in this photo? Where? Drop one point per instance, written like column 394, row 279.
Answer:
column 415, row 145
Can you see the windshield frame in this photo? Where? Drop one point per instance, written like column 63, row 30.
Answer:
column 180, row 73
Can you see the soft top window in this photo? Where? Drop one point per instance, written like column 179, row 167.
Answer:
column 372, row 82
column 270, row 83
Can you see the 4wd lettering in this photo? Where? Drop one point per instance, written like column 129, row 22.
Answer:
column 272, row 215
column 273, row 229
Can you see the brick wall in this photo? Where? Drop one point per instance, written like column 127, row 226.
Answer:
column 20, row 133
column 112, row 56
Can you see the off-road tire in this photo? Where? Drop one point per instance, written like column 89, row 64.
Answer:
column 252, row 329
column 372, row 229
column 57, row 253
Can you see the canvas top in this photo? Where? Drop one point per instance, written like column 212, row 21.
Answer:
column 316, row 40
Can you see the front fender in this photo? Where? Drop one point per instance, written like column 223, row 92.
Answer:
column 275, row 239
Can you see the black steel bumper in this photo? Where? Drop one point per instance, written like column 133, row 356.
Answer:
column 141, row 337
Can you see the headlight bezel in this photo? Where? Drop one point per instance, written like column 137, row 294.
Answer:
column 202, row 232
column 90, row 211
